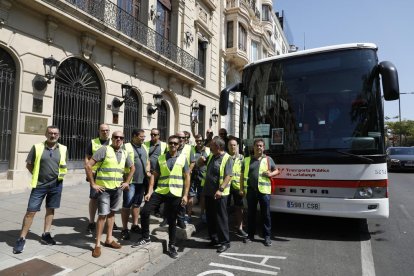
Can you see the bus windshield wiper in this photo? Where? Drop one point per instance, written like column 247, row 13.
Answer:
column 369, row 160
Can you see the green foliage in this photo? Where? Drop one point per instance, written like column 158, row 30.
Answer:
column 404, row 128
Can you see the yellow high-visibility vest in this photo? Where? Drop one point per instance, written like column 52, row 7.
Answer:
column 264, row 185
column 110, row 173
column 39, row 148
column 171, row 181
column 226, row 157
column 235, row 179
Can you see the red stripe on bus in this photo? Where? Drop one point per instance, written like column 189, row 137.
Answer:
column 329, row 183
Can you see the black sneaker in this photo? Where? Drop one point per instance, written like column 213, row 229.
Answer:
column 125, row 234
column 181, row 223
column 267, row 241
column 136, row 229
column 241, row 233
column 47, row 239
column 172, row 251
column 19, row 246
column 247, row 239
column 164, row 223
column 141, row 242
column 91, row 228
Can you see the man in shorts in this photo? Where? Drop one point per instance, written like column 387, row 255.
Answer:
column 47, row 164
column 94, row 145
column 109, row 184
column 132, row 197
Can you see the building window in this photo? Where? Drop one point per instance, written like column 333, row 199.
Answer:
column 242, row 38
column 202, row 52
column 266, row 11
column 162, row 123
column 7, row 91
column 77, row 106
column 131, row 115
column 128, row 12
column 229, row 41
column 201, row 119
column 163, row 27
column 254, row 53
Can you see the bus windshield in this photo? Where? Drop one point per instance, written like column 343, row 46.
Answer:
column 325, row 101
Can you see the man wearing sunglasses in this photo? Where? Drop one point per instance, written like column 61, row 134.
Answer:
column 94, row 145
column 109, row 184
column 155, row 147
column 173, row 176
column 186, row 149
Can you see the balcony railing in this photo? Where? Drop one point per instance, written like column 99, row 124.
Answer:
column 113, row 16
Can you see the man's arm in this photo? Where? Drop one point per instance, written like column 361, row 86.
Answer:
column 186, row 188
column 152, row 179
column 89, row 175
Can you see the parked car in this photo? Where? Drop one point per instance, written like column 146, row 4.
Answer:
column 400, row 158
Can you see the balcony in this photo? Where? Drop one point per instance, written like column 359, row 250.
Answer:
column 248, row 5
column 237, row 56
column 109, row 16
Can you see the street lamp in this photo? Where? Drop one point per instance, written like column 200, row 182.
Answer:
column 399, row 110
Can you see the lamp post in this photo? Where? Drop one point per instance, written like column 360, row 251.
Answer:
column 399, row 111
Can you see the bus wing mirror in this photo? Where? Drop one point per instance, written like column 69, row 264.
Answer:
column 389, row 77
column 224, row 97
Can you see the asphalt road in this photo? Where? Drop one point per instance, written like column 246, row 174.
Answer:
column 310, row 245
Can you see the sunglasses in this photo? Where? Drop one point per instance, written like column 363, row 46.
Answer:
column 118, row 137
column 172, row 143
column 153, row 134
column 182, row 137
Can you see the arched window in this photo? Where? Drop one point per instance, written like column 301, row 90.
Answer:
column 131, row 115
column 77, row 106
column 7, row 91
column 162, row 124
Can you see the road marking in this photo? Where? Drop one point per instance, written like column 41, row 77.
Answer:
column 217, row 271
column 265, row 258
column 244, row 268
column 367, row 260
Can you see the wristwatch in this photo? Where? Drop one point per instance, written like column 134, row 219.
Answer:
column 221, row 189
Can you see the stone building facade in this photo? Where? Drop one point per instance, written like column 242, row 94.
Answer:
column 158, row 47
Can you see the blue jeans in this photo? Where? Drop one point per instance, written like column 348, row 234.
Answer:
column 133, row 196
column 52, row 192
column 253, row 197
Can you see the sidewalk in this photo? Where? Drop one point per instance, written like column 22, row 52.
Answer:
column 72, row 255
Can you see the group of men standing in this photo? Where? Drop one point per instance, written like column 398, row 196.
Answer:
column 172, row 173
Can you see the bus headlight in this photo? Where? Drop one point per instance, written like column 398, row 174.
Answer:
column 395, row 161
column 371, row 192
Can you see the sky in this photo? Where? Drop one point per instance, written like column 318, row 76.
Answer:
column 387, row 23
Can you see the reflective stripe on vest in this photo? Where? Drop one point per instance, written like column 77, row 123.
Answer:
column 226, row 157
column 39, row 148
column 235, row 180
column 110, row 174
column 264, row 181
column 171, row 181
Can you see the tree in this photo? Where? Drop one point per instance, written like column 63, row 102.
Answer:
column 405, row 129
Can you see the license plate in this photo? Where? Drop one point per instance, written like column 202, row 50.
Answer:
column 409, row 165
column 303, row 205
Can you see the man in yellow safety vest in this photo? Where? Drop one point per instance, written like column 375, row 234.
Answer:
column 173, row 176
column 109, row 184
column 47, row 164
column 257, row 170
